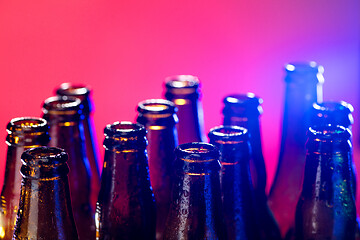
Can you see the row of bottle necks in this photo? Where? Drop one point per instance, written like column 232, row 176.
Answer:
column 199, row 207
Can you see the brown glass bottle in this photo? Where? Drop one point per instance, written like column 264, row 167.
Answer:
column 126, row 206
column 23, row 133
column 240, row 209
column 45, row 207
column 83, row 93
column 303, row 88
column 184, row 92
column 196, row 209
column 244, row 110
column 64, row 118
column 159, row 118
column 326, row 207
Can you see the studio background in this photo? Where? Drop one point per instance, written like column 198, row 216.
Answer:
column 125, row 49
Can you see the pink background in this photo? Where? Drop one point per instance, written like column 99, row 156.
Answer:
column 125, row 49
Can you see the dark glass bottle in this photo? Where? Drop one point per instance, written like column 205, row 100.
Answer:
column 83, row 93
column 244, row 110
column 196, row 208
column 64, row 118
column 335, row 113
column 303, row 88
column 23, row 133
column 45, row 207
column 326, row 207
column 184, row 92
column 240, row 211
column 126, row 205
column 159, row 118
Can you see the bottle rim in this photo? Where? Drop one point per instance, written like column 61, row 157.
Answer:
column 27, row 124
column 329, row 132
column 333, row 112
column 156, row 106
column 182, row 81
column 62, row 105
column 124, row 129
column 227, row 134
column 73, row 89
column 197, row 152
column 44, row 156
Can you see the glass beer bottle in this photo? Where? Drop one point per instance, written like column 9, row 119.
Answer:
column 326, row 207
column 244, row 110
column 303, row 87
column 240, row 209
column 184, row 91
column 126, row 204
column 23, row 133
column 159, row 118
column 64, row 118
column 196, row 209
column 83, row 93
column 45, row 207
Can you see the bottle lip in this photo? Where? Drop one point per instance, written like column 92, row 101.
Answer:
column 333, row 112
column 197, row 152
column 156, row 106
column 247, row 99
column 73, row 89
column 329, row 132
column 62, row 105
column 182, row 81
column 124, row 129
column 242, row 104
column 228, row 134
column 304, row 72
column 27, row 124
column 44, row 156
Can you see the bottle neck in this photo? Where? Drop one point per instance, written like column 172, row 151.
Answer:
column 297, row 111
column 327, row 167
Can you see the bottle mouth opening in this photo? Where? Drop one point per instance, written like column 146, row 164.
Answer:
column 70, row 89
column 304, row 67
column 333, row 106
column 44, row 156
column 182, row 81
column 27, row 124
column 197, row 151
column 228, row 133
column 156, row 106
column 246, row 99
column 329, row 132
column 124, row 128
column 58, row 104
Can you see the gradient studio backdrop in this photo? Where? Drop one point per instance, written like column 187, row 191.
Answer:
column 125, row 49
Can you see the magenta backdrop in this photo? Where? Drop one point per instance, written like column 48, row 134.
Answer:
column 125, row 49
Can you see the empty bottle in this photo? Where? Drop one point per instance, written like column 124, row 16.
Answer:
column 196, row 209
column 184, row 91
column 335, row 113
column 303, row 88
column 244, row 110
column 126, row 205
column 326, row 207
column 45, row 208
column 23, row 133
column 240, row 209
column 83, row 93
column 64, row 118
column 159, row 118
